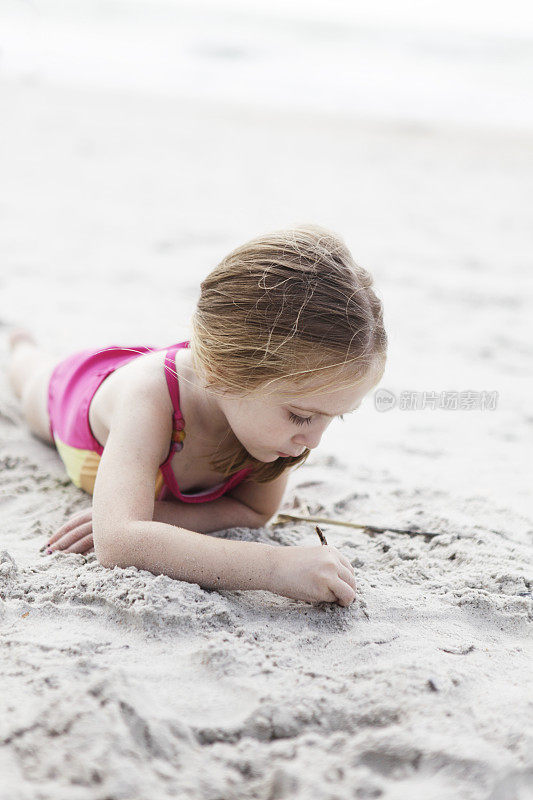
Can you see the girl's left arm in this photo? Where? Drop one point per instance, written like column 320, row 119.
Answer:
column 216, row 515
column 248, row 505
column 256, row 504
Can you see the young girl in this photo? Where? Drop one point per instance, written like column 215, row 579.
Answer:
column 287, row 335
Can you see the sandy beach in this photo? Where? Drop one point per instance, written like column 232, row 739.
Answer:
column 120, row 685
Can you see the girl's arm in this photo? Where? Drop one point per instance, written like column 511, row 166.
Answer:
column 189, row 556
column 124, row 530
column 217, row 515
column 248, row 505
column 319, row 573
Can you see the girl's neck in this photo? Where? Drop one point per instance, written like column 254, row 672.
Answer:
column 199, row 407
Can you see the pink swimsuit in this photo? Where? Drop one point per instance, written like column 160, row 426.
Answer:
column 73, row 385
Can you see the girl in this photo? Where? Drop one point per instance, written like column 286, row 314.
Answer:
column 287, row 335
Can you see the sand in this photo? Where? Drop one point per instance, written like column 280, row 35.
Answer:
column 120, row 684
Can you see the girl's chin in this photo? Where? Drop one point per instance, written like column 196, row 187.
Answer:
column 267, row 459
column 264, row 455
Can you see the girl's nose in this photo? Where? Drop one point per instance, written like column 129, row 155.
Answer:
column 309, row 440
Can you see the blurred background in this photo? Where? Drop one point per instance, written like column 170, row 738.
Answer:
column 141, row 141
column 461, row 62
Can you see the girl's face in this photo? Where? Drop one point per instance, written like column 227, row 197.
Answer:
column 284, row 424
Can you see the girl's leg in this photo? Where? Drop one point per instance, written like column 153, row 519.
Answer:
column 29, row 371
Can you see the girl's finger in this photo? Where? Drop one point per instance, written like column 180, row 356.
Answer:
column 347, row 563
column 347, row 576
column 78, row 519
column 81, row 546
column 71, row 525
column 345, row 594
column 73, row 536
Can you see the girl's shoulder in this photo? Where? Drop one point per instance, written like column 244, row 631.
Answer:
column 146, row 371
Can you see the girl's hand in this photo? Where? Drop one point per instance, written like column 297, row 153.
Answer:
column 75, row 536
column 314, row 574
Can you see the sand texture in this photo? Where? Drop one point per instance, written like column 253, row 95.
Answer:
column 121, row 685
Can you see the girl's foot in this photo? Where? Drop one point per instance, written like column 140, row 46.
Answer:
column 19, row 335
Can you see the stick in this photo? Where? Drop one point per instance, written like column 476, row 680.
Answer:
column 320, row 535
column 281, row 518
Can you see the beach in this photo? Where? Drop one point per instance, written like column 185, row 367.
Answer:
column 116, row 201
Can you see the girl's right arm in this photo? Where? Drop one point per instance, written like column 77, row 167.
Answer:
column 303, row 573
column 186, row 555
column 125, row 534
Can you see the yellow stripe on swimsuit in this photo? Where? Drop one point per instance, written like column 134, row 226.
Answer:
column 82, row 467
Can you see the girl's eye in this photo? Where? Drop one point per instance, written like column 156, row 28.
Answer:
column 299, row 420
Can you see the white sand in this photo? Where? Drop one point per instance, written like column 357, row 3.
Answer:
column 120, row 684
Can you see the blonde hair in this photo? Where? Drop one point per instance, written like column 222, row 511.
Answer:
column 291, row 305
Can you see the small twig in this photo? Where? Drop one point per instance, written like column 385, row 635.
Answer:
column 281, row 518
column 320, row 533
column 321, row 536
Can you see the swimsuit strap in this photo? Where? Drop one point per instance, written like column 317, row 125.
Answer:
column 178, row 435
column 178, row 427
